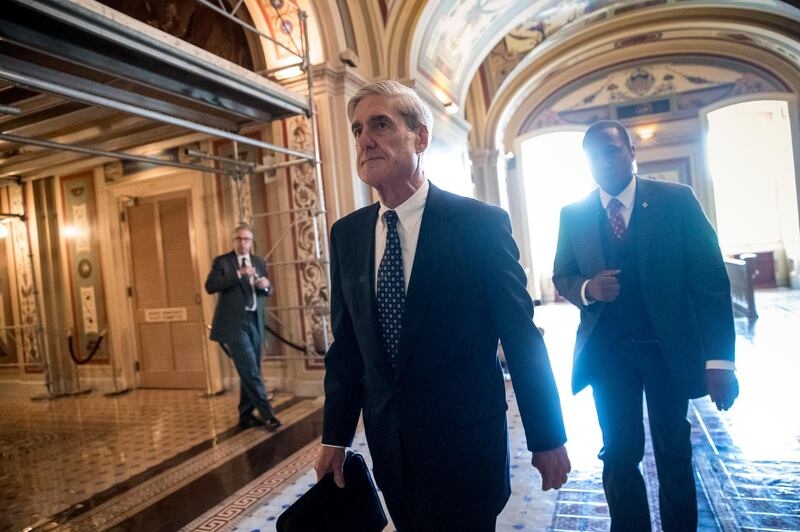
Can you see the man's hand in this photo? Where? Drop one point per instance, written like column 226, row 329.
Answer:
column 604, row 286
column 723, row 387
column 330, row 459
column 247, row 271
column 553, row 465
column 263, row 283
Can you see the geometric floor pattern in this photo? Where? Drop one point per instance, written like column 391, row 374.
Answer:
column 747, row 460
column 57, row 455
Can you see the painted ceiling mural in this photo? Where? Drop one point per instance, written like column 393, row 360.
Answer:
column 461, row 29
column 545, row 23
column 192, row 22
column 678, row 87
column 199, row 25
column 280, row 20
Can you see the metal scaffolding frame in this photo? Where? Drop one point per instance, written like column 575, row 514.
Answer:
column 25, row 74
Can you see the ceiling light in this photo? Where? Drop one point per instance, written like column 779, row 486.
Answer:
column 646, row 133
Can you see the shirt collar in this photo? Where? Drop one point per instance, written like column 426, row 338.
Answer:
column 409, row 213
column 625, row 197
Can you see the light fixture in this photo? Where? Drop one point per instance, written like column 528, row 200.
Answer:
column 441, row 96
column 646, row 133
column 450, row 108
column 69, row 231
column 3, row 230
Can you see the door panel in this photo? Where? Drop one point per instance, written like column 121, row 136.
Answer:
column 168, row 316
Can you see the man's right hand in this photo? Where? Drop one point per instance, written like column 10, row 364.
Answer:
column 604, row 286
column 330, row 459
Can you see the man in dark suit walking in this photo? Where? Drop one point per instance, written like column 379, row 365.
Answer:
column 642, row 262
column 423, row 285
column 241, row 280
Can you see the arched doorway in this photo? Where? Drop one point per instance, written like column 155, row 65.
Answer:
column 751, row 154
column 555, row 173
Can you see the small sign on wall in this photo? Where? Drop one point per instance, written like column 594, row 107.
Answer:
column 153, row 315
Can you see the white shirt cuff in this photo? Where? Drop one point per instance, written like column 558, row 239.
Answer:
column 721, row 364
column 586, row 301
column 334, row 446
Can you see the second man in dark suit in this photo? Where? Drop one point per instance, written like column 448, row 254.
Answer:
column 240, row 279
column 424, row 283
column 642, row 262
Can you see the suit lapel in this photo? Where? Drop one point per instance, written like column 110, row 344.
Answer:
column 435, row 233
column 644, row 214
column 234, row 261
column 591, row 242
column 364, row 256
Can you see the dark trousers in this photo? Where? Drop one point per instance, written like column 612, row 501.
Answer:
column 620, row 374
column 416, row 506
column 246, row 355
column 405, row 519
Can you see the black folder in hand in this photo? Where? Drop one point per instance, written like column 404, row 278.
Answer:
column 327, row 508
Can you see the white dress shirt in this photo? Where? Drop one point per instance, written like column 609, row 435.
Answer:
column 626, row 198
column 247, row 262
column 409, row 218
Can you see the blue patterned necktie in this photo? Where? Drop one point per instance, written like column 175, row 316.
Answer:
column 391, row 289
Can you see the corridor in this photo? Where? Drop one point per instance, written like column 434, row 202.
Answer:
column 170, row 459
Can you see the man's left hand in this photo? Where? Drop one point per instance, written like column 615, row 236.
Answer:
column 553, row 466
column 262, row 283
column 723, row 387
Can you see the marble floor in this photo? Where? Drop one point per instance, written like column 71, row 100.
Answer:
column 170, row 460
column 90, row 462
column 747, row 460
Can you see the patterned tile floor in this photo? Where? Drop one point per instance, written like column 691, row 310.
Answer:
column 56, row 454
column 747, row 459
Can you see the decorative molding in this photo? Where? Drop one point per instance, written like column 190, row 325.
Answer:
column 313, row 276
column 670, row 88
column 83, row 259
column 25, row 283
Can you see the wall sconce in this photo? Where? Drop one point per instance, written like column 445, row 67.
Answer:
column 69, row 231
column 450, row 108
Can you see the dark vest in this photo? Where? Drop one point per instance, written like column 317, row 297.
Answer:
column 626, row 317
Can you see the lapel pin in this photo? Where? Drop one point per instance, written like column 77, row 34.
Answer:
column 644, row 204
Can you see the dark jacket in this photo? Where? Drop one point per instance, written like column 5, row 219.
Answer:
column 437, row 422
column 684, row 285
column 234, row 294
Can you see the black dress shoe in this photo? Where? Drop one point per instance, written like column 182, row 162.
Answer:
column 250, row 422
column 272, row 424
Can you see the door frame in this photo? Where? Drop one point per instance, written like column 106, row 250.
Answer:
column 152, row 183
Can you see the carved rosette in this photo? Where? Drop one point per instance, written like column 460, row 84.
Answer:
column 27, row 299
column 313, row 275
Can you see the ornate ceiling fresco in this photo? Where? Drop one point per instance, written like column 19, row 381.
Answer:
column 199, row 25
column 677, row 88
column 460, row 33
column 455, row 37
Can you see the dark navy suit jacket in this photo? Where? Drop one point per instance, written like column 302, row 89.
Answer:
column 436, row 424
